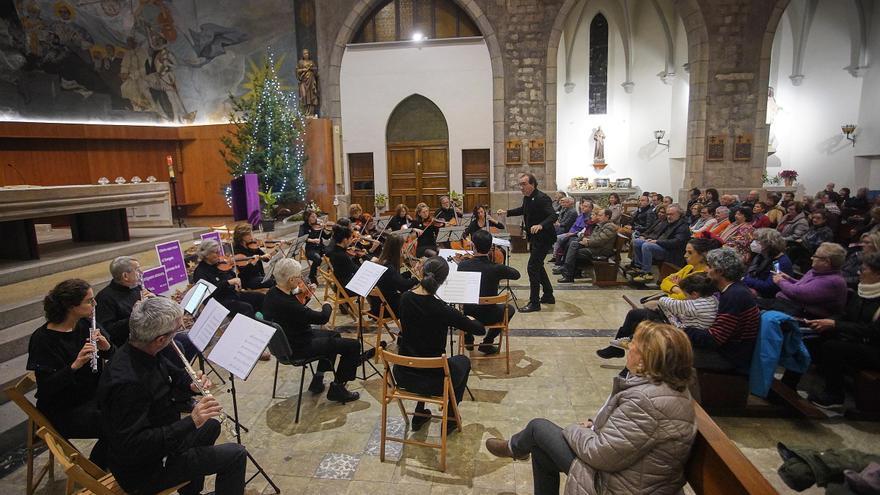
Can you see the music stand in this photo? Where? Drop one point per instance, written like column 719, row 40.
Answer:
column 238, row 351
column 460, row 288
column 449, row 234
column 504, row 245
column 194, row 303
column 362, row 284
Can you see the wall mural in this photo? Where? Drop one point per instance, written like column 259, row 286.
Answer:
column 135, row 61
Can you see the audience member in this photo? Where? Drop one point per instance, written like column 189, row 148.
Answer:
column 600, row 243
column 858, row 204
column 821, row 292
column 775, row 211
column 693, row 198
column 567, row 215
column 695, row 255
column 768, row 258
column 818, row 233
column 616, row 208
column 869, row 243
column 695, row 221
column 722, row 221
column 668, row 245
column 712, row 200
column 761, row 220
column 738, row 235
column 706, row 222
column 581, row 227
column 831, row 201
column 644, row 215
column 794, row 224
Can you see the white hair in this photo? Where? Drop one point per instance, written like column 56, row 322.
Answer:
column 207, row 247
column 120, row 266
column 287, row 268
column 153, row 317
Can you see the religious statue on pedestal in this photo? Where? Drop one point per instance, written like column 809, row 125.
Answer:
column 307, row 75
column 599, row 152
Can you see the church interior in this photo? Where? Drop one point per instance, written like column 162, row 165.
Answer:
column 439, row 246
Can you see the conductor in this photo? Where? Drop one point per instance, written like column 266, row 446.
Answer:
column 537, row 210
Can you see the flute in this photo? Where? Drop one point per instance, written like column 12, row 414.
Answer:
column 202, row 390
column 93, row 339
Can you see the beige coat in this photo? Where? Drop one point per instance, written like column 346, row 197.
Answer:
column 639, row 443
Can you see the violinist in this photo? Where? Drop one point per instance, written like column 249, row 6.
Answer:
column 296, row 320
column 392, row 283
column 360, row 221
column 341, row 258
column 491, row 275
column 447, row 212
column 228, row 283
column 400, row 219
column 426, row 228
column 481, row 221
column 317, row 233
column 249, row 258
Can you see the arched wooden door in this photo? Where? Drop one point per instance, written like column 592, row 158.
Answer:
column 418, row 153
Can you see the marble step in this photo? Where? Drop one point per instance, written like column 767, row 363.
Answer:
column 14, row 340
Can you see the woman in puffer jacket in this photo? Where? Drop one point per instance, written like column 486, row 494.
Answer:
column 640, row 439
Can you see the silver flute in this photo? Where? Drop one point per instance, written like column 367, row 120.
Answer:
column 93, row 339
column 229, row 425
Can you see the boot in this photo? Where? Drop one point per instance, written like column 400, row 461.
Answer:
column 338, row 393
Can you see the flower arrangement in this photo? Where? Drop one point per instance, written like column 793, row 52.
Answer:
column 789, row 174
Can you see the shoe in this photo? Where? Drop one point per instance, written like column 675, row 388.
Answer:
column 500, row 447
column 530, row 308
column 548, row 299
column 557, row 270
column 643, row 277
column 419, row 419
column 338, row 393
column 489, row 349
column 371, row 353
column 317, row 385
column 827, row 400
column 610, row 353
column 621, row 343
column 565, row 280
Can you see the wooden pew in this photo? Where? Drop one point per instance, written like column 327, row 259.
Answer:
column 717, row 467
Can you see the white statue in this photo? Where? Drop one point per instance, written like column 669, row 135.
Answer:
column 599, row 153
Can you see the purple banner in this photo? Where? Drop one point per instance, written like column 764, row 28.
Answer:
column 171, row 257
column 214, row 236
column 156, row 281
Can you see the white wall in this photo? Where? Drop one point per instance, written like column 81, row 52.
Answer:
column 807, row 127
column 630, row 147
column 455, row 75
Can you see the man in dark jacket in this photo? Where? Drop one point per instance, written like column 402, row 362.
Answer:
column 669, row 245
column 644, row 216
column 116, row 300
column 537, row 210
column 567, row 215
column 599, row 243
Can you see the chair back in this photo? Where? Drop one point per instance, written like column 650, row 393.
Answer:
column 391, row 358
column 75, row 465
column 278, row 344
column 16, row 394
column 376, row 292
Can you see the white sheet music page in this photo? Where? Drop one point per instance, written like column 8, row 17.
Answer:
column 206, row 325
column 366, row 277
column 500, row 242
column 240, row 346
column 461, row 288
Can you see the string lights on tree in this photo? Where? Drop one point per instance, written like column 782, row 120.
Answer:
column 268, row 138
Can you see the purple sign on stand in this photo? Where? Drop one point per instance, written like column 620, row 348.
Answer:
column 171, row 257
column 155, row 280
column 214, row 236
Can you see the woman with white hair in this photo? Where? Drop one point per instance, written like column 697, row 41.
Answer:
column 296, row 319
column 228, row 292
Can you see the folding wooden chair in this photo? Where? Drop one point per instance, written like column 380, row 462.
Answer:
column 339, row 296
column 503, row 337
column 382, row 320
column 391, row 392
column 80, row 471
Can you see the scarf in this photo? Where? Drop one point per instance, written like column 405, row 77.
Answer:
column 870, row 291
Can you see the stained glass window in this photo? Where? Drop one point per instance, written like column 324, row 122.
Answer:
column 598, row 87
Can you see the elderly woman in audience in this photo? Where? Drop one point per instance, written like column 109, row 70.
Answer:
column 729, row 343
column 640, row 439
column 738, row 235
column 695, row 255
column 850, row 342
column 869, row 243
column 694, row 217
column 706, row 221
column 722, row 221
column 794, row 224
column 821, row 292
column 768, row 258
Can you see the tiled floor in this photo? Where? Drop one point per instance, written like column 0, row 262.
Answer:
column 554, row 374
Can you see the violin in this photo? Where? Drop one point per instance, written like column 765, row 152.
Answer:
column 241, row 260
column 226, row 264
column 305, row 293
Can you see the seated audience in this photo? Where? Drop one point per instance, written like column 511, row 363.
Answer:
column 729, row 343
column 315, row 243
column 768, row 258
column 616, row 208
column 794, row 224
column 775, row 211
column 228, row 292
column 667, row 246
column 695, row 256
column 712, row 198
column 706, row 221
column 695, row 221
column 831, row 200
column 869, row 243
column 581, row 227
column 738, row 234
column 760, row 220
column 59, row 354
column 599, row 243
column 425, row 322
column 857, row 205
column 644, row 216
column 491, row 275
column 821, row 292
column 850, row 341
column 296, row 319
column 115, row 301
column 151, row 448
column 640, row 439
column 567, row 215
column 722, row 221
column 818, row 233
column 694, row 196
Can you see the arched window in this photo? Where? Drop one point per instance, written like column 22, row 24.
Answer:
column 598, row 65
column 398, row 20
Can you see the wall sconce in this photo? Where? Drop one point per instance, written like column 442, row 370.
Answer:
column 848, row 130
column 658, row 135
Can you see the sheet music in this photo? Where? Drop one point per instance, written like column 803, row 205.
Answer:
column 461, row 288
column 200, row 290
column 500, row 242
column 240, row 346
column 206, row 325
column 365, row 278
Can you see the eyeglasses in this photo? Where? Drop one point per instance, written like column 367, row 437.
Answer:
column 815, row 257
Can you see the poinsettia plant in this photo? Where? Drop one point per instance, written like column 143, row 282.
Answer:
column 789, row 174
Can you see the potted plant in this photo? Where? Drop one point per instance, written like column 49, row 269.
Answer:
column 380, row 201
column 788, row 176
column 456, row 198
column 270, row 201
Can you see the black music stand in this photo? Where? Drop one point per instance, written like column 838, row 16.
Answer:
column 362, row 284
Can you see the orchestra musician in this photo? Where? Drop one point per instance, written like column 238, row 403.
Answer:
column 151, row 448
column 246, row 248
column 400, row 219
column 360, row 221
column 116, row 300
column 296, row 319
column 491, row 274
column 481, row 221
column 426, row 228
column 392, row 283
column 424, row 325
column 447, row 212
column 342, row 256
column 317, row 233
column 228, row 292
column 59, row 354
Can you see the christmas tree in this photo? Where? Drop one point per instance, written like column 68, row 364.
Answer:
column 268, row 138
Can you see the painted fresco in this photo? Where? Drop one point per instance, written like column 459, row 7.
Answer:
column 135, row 61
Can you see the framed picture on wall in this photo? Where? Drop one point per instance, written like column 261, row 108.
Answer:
column 601, row 183
column 536, row 151
column 513, row 155
column 715, row 148
column 742, row 150
column 623, row 183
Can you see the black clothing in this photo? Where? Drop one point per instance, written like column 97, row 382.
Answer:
column 151, row 447
column 314, row 251
column 392, row 284
column 296, row 320
column 343, row 265
column 475, row 226
column 673, row 239
column 252, row 274
column 643, row 218
column 396, row 223
column 491, row 275
column 246, row 303
column 428, row 239
column 114, row 307
column 537, row 209
column 446, row 214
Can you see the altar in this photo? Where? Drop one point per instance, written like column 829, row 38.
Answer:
column 600, row 195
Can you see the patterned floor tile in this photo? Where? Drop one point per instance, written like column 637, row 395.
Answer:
column 396, row 427
column 335, row 466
